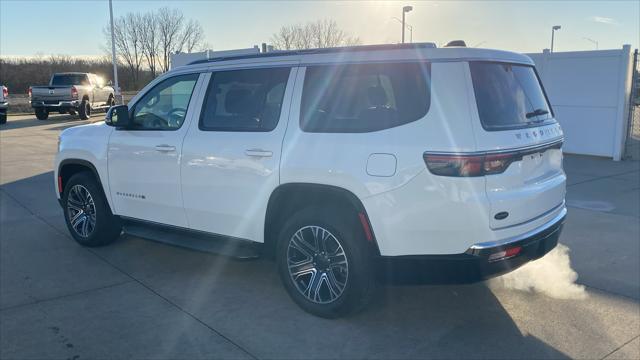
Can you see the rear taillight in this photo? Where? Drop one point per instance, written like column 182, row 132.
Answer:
column 468, row 165
column 5, row 92
column 74, row 92
column 29, row 92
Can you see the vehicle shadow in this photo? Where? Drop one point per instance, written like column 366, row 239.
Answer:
column 245, row 301
column 64, row 121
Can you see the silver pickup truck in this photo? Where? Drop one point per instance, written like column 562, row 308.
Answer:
column 4, row 104
column 70, row 93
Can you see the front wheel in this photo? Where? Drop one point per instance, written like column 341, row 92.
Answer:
column 324, row 263
column 87, row 213
column 42, row 114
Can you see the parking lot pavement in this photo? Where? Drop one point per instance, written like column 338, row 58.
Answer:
column 142, row 299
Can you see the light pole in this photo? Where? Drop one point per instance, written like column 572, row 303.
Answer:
column 113, row 58
column 405, row 9
column 553, row 30
column 408, row 27
column 592, row 41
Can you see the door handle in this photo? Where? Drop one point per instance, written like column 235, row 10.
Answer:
column 258, row 153
column 165, row 148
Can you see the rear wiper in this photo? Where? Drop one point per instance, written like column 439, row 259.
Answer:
column 536, row 112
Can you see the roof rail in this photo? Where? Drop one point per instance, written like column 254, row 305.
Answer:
column 276, row 53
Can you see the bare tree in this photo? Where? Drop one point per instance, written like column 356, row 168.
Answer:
column 129, row 48
column 192, row 37
column 285, row 38
column 170, row 22
column 150, row 41
column 317, row 34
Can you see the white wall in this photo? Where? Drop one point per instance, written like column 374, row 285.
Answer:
column 181, row 59
column 589, row 92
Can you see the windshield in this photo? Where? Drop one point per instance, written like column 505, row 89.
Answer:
column 69, row 79
column 508, row 96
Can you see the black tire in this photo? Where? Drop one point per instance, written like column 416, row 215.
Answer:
column 72, row 112
column 42, row 114
column 3, row 118
column 110, row 103
column 84, row 111
column 106, row 228
column 360, row 281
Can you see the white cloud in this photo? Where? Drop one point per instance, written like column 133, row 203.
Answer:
column 603, row 20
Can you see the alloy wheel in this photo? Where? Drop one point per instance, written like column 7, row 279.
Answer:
column 317, row 264
column 81, row 210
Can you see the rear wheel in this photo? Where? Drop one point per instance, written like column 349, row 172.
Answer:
column 3, row 118
column 324, row 263
column 110, row 102
column 84, row 111
column 42, row 114
column 87, row 213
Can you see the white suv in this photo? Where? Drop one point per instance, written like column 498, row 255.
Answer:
column 403, row 163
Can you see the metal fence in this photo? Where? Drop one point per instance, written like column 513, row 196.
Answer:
column 632, row 144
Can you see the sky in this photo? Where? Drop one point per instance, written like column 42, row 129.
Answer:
column 74, row 27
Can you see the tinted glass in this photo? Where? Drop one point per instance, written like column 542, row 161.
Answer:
column 364, row 97
column 244, row 100
column 508, row 96
column 165, row 106
column 70, row 79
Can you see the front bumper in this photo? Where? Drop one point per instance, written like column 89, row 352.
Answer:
column 475, row 264
column 70, row 104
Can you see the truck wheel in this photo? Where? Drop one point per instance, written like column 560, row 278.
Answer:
column 87, row 212
column 3, row 118
column 324, row 262
column 72, row 112
column 84, row 110
column 111, row 102
column 42, row 114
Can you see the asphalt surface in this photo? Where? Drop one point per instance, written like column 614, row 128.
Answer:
column 140, row 299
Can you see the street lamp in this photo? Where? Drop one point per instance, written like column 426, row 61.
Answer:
column 405, row 10
column 592, row 41
column 113, row 58
column 408, row 27
column 553, row 30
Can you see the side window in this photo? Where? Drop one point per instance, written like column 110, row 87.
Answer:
column 164, row 107
column 244, row 100
column 360, row 98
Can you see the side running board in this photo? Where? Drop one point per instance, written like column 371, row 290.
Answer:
column 194, row 240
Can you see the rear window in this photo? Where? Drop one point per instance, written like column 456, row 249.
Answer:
column 508, row 96
column 360, row 98
column 69, row 79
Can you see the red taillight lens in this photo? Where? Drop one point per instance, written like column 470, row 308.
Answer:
column 468, row 165
column 74, row 92
column 454, row 165
column 5, row 92
column 29, row 92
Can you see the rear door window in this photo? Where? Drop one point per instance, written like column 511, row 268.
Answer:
column 508, row 96
column 70, row 79
column 244, row 100
column 359, row 98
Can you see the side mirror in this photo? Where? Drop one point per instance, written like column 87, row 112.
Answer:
column 118, row 116
column 110, row 83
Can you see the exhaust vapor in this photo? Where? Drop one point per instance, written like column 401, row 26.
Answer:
column 551, row 275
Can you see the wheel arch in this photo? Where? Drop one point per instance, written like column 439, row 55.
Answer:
column 287, row 197
column 69, row 167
